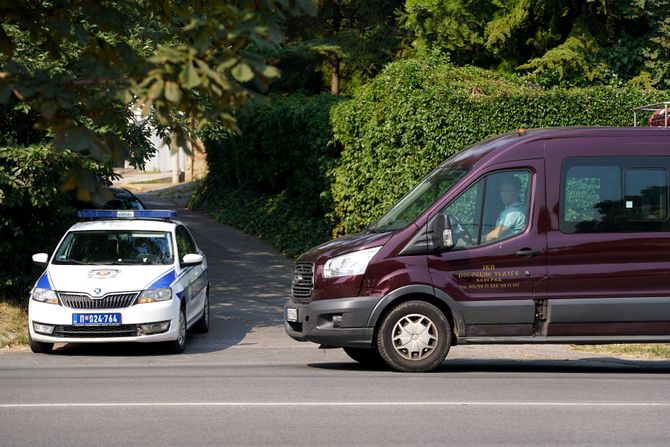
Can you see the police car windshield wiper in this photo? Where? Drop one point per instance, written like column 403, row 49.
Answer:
column 71, row 261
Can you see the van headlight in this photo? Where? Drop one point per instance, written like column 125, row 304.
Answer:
column 45, row 296
column 351, row 264
column 154, row 295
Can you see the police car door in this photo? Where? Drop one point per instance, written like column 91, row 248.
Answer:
column 190, row 277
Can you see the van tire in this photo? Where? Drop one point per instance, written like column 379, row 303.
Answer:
column 415, row 336
column 202, row 325
column 366, row 356
column 39, row 347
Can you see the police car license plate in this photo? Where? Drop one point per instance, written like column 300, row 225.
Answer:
column 291, row 314
column 107, row 319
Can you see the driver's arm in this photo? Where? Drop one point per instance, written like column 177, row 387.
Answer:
column 496, row 233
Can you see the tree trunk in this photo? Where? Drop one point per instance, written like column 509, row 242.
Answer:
column 334, row 63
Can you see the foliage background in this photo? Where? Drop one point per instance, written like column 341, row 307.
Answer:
column 418, row 112
column 271, row 180
column 306, row 166
column 34, row 214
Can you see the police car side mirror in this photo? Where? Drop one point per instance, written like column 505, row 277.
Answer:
column 41, row 258
column 191, row 259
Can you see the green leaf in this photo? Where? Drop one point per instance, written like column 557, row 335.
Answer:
column 242, row 72
column 172, row 92
column 189, row 76
column 156, row 89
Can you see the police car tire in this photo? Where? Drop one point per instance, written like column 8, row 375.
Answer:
column 423, row 313
column 202, row 325
column 177, row 346
column 39, row 347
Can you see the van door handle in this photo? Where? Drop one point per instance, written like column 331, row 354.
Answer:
column 527, row 253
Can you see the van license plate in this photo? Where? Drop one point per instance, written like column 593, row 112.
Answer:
column 291, row 315
column 109, row 319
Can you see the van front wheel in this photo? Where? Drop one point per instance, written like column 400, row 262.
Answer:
column 414, row 337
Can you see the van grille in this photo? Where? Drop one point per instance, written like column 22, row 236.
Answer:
column 303, row 281
column 110, row 301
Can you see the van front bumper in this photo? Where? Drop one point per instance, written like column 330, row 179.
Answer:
column 334, row 323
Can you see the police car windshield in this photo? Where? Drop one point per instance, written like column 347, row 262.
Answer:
column 121, row 247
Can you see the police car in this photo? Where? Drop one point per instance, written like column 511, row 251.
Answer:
column 117, row 276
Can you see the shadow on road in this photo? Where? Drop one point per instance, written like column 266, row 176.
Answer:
column 594, row 365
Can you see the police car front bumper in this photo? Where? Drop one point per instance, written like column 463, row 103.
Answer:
column 51, row 323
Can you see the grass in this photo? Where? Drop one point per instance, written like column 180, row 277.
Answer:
column 13, row 325
column 152, row 182
column 656, row 350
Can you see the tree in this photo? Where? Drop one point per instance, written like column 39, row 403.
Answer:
column 345, row 43
column 83, row 65
column 565, row 42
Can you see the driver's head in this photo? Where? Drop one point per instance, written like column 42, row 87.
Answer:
column 510, row 190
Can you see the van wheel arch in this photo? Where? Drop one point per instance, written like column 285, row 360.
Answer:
column 414, row 336
column 391, row 304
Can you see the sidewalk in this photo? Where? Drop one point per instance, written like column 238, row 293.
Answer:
column 155, row 184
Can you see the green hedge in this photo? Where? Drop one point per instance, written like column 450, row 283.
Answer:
column 305, row 168
column 271, row 180
column 417, row 113
column 33, row 213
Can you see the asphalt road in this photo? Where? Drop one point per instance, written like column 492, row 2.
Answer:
column 247, row 383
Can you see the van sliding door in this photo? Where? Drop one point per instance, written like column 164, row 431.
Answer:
column 609, row 238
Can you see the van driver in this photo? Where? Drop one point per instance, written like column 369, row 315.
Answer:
column 512, row 219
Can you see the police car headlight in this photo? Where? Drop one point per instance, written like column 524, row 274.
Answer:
column 350, row 264
column 154, row 295
column 45, row 296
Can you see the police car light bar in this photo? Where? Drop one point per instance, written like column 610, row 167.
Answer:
column 127, row 214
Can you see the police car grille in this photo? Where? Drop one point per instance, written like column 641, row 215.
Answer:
column 123, row 330
column 110, row 301
column 303, row 281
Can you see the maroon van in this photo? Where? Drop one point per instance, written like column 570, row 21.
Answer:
column 539, row 236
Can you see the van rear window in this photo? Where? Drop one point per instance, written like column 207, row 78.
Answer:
column 616, row 194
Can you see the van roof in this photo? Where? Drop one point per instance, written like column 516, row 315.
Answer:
column 472, row 155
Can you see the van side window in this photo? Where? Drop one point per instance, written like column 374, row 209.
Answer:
column 609, row 195
column 646, row 194
column 495, row 207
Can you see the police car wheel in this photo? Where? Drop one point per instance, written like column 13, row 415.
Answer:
column 202, row 325
column 39, row 347
column 415, row 336
column 177, row 346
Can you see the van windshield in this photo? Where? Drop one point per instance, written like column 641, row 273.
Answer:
column 419, row 199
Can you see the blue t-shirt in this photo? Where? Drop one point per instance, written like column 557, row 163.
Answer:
column 513, row 218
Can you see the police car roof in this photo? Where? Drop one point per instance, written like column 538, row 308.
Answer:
column 157, row 220
column 125, row 224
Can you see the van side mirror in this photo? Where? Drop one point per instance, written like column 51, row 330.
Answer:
column 191, row 259
column 442, row 235
column 41, row 258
